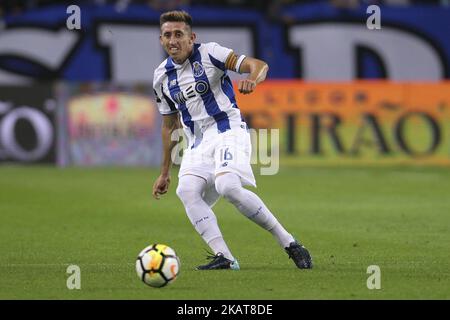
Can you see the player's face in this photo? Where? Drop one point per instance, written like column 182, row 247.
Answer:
column 178, row 40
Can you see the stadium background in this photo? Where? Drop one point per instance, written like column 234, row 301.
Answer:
column 363, row 118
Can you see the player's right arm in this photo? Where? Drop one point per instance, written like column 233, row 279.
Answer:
column 169, row 125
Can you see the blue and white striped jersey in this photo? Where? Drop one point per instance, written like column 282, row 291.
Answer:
column 200, row 90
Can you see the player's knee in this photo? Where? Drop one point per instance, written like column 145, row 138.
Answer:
column 187, row 195
column 181, row 192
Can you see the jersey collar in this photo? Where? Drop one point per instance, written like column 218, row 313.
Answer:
column 178, row 66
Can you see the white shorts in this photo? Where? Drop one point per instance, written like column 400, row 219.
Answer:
column 229, row 151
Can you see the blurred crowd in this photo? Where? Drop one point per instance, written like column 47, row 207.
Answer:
column 268, row 6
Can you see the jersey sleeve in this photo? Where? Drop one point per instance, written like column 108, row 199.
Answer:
column 219, row 52
column 165, row 105
column 225, row 56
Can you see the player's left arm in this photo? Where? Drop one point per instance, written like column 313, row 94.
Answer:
column 256, row 68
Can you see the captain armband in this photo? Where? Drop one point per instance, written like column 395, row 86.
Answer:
column 234, row 62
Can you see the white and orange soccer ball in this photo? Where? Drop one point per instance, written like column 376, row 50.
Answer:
column 157, row 265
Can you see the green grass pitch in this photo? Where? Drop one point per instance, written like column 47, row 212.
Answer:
column 350, row 218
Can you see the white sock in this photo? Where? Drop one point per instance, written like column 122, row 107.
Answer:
column 283, row 237
column 219, row 245
column 229, row 185
column 190, row 190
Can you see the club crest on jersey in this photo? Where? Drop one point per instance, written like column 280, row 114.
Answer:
column 172, row 83
column 197, row 69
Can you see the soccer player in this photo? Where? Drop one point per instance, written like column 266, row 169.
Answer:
column 193, row 90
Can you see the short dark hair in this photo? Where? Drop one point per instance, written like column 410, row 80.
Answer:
column 176, row 16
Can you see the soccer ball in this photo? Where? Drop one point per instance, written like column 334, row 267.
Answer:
column 157, row 265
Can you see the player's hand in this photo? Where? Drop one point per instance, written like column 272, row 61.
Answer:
column 246, row 86
column 161, row 186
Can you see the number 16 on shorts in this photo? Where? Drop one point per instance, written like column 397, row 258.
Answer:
column 225, row 155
